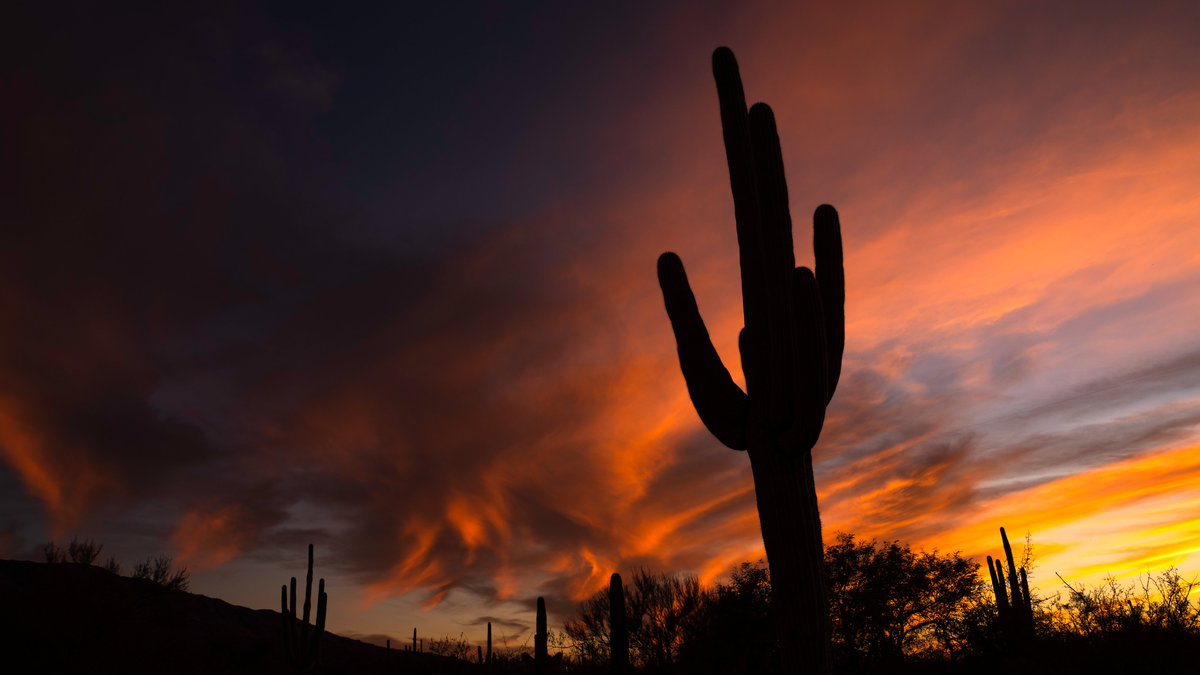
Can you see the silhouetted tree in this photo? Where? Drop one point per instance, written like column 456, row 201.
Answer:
column 734, row 633
column 791, row 348
column 888, row 602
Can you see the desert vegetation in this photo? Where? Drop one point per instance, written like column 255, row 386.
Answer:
column 892, row 609
column 158, row 569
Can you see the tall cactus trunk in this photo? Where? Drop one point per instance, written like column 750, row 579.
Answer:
column 791, row 529
column 541, row 655
column 791, row 346
column 618, row 629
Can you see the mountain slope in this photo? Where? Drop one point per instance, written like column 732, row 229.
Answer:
column 71, row 618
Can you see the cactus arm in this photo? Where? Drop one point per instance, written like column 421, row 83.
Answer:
column 811, row 365
column 831, row 281
column 719, row 402
column 997, row 574
column 322, row 604
column 307, row 592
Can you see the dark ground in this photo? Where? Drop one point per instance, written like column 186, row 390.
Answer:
column 71, row 618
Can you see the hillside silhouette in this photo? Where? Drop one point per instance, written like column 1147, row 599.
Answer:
column 75, row 618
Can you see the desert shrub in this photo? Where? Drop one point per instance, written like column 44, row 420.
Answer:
column 1157, row 603
column 457, row 648
column 158, row 570
column 84, row 552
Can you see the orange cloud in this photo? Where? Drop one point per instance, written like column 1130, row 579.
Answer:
column 204, row 540
column 65, row 491
column 1123, row 519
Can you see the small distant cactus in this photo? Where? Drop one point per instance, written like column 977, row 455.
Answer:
column 618, row 639
column 791, row 349
column 302, row 642
column 489, row 643
column 1014, row 605
column 541, row 641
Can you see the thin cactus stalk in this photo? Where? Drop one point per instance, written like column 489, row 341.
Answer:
column 489, row 643
column 414, row 644
column 997, row 573
column 618, row 629
column 791, row 350
column 479, row 654
column 302, row 641
column 541, row 656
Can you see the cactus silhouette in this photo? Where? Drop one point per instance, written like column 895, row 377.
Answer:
column 1014, row 605
column 302, row 643
column 618, row 628
column 791, row 349
column 541, row 656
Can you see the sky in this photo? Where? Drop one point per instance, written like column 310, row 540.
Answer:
column 383, row 281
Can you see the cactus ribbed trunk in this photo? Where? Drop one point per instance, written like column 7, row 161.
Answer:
column 792, row 347
column 618, row 629
column 791, row 529
column 541, row 656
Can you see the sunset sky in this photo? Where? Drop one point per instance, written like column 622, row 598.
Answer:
column 384, row 282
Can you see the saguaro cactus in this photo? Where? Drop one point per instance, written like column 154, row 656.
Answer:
column 618, row 629
column 791, row 350
column 302, row 642
column 1014, row 605
column 489, row 643
column 541, row 641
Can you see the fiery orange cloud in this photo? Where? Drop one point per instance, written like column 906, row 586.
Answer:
column 1123, row 519
column 65, row 492
column 205, row 540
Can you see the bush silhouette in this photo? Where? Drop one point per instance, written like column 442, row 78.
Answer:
column 158, row 570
